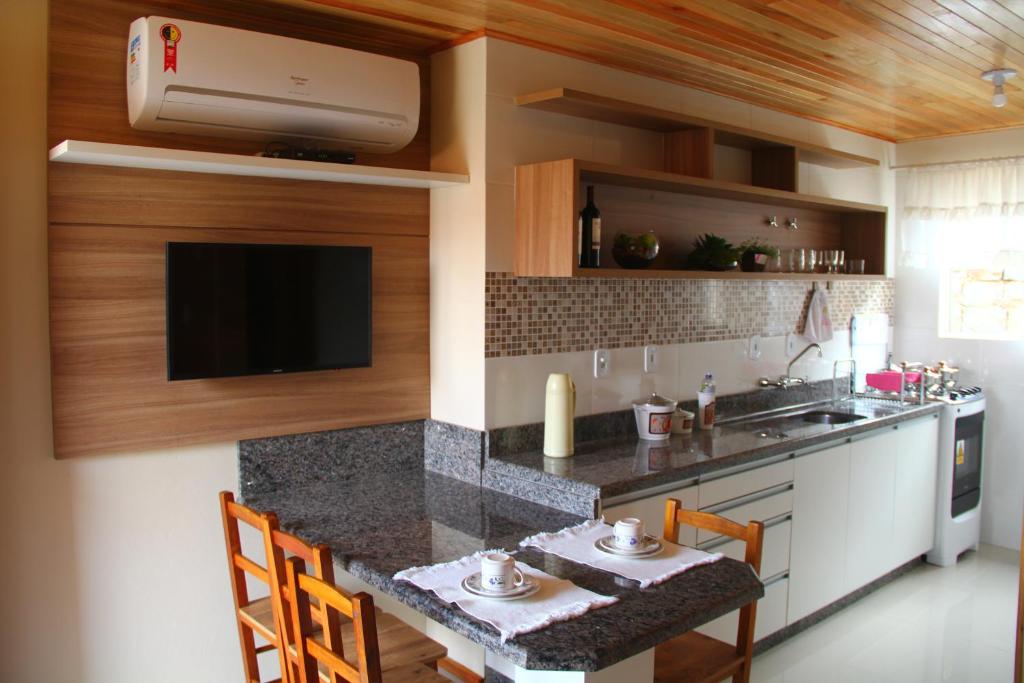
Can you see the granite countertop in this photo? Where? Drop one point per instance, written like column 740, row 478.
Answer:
column 605, row 468
column 379, row 523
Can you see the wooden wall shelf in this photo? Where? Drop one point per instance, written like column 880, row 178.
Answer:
column 610, row 110
column 663, row 274
column 549, row 198
column 161, row 159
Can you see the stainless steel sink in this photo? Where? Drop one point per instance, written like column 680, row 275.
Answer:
column 829, row 417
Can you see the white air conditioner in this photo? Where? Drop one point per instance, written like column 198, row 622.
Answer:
column 187, row 77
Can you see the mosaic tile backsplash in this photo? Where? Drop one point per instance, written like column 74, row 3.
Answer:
column 529, row 316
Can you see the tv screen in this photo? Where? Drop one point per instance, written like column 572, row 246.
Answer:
column 252, row 309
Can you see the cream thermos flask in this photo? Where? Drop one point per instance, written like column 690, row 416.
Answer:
column 559, row 410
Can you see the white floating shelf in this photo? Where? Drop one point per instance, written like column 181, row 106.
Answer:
column 158, row 158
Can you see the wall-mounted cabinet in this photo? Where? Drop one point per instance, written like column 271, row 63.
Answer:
column 690, row 141
column 679, row 208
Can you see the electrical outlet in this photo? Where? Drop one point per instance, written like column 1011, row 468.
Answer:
column 754, row 348
column 650, row 358
column 790, row 345
column 602, row 363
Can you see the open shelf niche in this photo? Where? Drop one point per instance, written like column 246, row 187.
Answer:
column 690, row 141
column 549, row 196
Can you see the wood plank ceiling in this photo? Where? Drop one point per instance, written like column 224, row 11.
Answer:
column 893, row 69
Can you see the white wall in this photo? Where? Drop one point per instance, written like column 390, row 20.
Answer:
column 998, row 366
column 113, row 568
column 515, row 385
column 517, row 135
column 457, row 236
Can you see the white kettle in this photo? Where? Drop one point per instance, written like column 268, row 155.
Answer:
column 559, row 410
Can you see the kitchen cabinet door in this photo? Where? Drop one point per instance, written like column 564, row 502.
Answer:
column 818, row 540
column 916, row 482
column 652, row 512
column 871, row 508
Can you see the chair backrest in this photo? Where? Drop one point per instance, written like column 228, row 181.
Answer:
column 240, row 565
column 311, row 655
column 279, row 545
column 751, row 534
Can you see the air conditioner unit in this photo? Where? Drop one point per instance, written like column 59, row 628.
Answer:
column 188, row 77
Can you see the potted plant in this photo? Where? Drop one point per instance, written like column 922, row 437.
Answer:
column 712, row 252
column 754, row 255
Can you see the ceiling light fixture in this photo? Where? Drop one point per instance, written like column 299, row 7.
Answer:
column 998, row 78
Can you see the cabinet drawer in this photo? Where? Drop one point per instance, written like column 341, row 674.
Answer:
column 771, row 615
column 760, row 509
column 774, row 552
column 751, row 481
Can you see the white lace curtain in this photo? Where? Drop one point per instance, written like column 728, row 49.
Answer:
column 962, row 215
column 969, row 190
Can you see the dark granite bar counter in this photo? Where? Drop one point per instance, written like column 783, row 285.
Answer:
column 610, row 467
column 379, row 523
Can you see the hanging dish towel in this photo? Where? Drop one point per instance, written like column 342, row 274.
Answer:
column 576, row 543
column 818, row 327
column 557, row 600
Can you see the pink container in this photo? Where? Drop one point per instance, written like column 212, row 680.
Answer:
column 889, row 380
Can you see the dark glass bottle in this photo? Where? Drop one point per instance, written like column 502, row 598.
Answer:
column 588, row 247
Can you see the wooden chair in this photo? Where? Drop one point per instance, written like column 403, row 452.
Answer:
column 695, row 657
column 253, row 617
column 400, row 644
column 319, row 660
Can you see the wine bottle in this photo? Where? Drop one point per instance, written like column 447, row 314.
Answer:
column 589, row 244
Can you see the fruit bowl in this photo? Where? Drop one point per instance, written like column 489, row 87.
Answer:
column 635, row 251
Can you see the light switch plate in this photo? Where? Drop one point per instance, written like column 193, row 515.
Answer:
column 754, row 348
column 790, row 345
column 602, row 363
column 650, row 358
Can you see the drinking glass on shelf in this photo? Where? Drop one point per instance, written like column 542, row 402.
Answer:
column 811, row 261
column 824, row 260
column 797, row 260
column 840, row 261
column 856, row 266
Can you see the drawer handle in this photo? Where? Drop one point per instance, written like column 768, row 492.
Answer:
column 749, row 498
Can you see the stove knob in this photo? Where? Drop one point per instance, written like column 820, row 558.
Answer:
column 953, row 395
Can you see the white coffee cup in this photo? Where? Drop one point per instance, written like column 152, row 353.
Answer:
column 498, row 573
column 629, row 533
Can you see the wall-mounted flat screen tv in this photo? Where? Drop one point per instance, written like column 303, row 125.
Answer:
column 253, row 309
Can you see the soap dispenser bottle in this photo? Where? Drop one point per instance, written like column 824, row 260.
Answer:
column 559, row 410
column 706, row 402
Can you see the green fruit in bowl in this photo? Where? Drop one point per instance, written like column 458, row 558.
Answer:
column 635, row 251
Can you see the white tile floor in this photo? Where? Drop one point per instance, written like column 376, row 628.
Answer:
column 933, row 624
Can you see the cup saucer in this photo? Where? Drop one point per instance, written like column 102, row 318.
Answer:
column 472, row 585
column 650, row 547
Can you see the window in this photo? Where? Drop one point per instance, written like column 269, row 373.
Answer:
column 965, row 223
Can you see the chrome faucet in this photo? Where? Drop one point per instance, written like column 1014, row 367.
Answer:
column 788, row 380
column 835, row 378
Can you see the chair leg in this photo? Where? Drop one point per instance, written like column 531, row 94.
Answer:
column 250, row 664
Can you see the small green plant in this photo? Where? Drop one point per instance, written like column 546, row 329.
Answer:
column 712, row 252
column 758, row 247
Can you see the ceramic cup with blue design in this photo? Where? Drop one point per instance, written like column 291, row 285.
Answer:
column 629, row 533
column 498, row 573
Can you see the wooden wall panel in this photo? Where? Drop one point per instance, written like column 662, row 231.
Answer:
column 109, row 354
column 129, row 196
column 108, row 228
column 89, row 40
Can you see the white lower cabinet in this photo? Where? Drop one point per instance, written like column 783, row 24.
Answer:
column 770, row 617
column 861, row 510
column 818, row 546
column 869, row 521
column 916, row 479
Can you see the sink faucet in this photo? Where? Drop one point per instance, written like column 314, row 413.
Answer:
column 788, row 380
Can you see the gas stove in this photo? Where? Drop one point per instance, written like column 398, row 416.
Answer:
column 959, row 395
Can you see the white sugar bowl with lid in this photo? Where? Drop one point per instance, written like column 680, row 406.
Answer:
column 654, row 417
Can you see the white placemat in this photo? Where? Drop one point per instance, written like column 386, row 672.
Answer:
column 576, row 543
column 557, row 600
